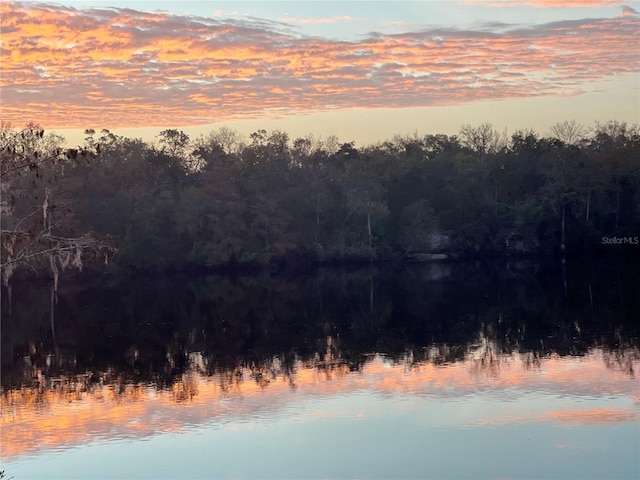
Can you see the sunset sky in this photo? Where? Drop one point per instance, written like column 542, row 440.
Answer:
column 361, row 70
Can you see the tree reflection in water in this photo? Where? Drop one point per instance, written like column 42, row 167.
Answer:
column 201, row 341
column 157, row 330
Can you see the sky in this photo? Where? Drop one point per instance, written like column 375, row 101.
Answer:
column 362, row 70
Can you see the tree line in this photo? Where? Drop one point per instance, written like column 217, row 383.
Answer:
column 224, row 200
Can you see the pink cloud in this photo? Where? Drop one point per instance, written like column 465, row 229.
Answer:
column 63, row 67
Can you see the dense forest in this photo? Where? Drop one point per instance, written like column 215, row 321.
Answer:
column 221, row 200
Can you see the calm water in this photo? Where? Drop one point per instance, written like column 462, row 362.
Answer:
column 438, row 371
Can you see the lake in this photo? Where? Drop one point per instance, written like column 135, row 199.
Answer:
column 444, row 370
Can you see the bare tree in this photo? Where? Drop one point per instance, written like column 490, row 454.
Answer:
column 483, row 139
column 569, row 131
column 35, row 229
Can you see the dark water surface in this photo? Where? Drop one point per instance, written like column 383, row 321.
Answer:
column 421, row 371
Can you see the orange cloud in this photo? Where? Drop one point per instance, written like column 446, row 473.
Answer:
column 68, row 68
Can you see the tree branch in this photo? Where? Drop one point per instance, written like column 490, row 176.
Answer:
column 36, row 254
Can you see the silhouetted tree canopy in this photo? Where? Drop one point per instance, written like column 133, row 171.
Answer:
column 221, row 199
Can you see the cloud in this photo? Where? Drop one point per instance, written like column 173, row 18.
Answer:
column 626, row 10
column 114, row 68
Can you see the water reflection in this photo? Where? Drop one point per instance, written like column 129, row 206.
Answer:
column 68, row 410
column 481, row 348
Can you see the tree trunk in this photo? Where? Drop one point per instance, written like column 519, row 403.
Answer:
column 47, row 212
column 9, row 299
column 343, row 242
column 588, row 203
column 317, row 219
column 562, row 231
column 369, row 232
column 617, row 207
column 368, row 205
